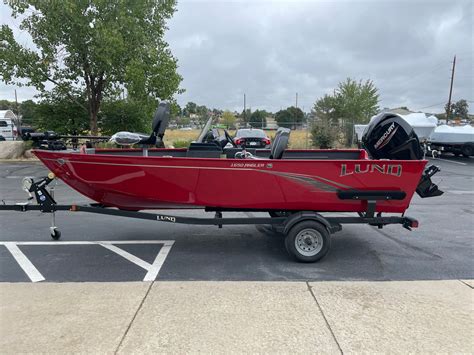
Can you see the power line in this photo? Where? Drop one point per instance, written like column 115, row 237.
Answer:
column 419, row 75
column 421, row 108
column 416, row 77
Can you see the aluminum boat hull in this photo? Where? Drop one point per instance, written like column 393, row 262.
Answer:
column 141, row 182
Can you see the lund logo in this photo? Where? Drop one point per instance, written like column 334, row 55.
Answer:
column 387, row 169
column 386, row 136
column 166, row 218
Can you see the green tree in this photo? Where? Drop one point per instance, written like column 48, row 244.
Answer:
column 297, row 115
column 175, row 109
column 27, row 111
column 7, row 105
column 258, row 119
column 61, row 117
column 228, row 119
column 126, row 115
column 325, row 108
column 461, row 109
column 245, row 117
column 352, row 102
column 356, row 101
column 90, row 49
column 291, row 117
column 183, row 121
column 284, row 118
column 203, row 114
column 190, row 108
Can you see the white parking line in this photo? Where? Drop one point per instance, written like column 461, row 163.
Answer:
column 158, row 263
column 24, row 262
column 130, row 257
column 152, row 269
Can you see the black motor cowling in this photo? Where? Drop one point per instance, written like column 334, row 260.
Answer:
column 389, row 136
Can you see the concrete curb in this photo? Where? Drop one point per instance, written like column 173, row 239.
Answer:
column 266, row 317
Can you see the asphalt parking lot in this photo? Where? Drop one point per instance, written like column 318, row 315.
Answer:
column 105, row 248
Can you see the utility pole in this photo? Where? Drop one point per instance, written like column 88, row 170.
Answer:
column 17, row 122
column 448, row 110
column 245, row 112
column 296, row 100
column 16, row 104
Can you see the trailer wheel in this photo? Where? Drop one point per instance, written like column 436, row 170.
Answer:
column 308, row 241
column 467, row 150
column 55, row 234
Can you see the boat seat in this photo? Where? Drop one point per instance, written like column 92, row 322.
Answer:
column 280, row 143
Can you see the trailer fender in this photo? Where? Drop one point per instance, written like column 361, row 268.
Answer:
column 312, row 216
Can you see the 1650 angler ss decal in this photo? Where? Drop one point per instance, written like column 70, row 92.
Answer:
column 387, row 169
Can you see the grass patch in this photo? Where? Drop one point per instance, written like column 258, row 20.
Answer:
column 300, row 139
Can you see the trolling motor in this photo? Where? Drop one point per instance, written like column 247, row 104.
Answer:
column 159, row 125
column 389, row 136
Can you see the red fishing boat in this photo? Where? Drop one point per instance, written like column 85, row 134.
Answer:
column 294, row 186
column 167, row 178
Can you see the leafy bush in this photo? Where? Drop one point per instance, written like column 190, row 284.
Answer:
column 323, row 136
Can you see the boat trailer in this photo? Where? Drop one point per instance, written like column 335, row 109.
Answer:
column 307, row 233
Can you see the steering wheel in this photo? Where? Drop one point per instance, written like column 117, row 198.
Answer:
column 229, row 138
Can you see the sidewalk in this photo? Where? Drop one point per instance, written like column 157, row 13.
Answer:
column 222, row 317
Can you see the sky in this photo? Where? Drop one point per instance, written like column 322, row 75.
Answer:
column 271, row 50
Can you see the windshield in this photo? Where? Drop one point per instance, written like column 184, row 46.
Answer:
column 258, row 133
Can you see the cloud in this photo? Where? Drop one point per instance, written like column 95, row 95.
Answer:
column 270, row 50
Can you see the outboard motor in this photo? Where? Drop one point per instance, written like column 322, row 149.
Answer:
column 389, row 136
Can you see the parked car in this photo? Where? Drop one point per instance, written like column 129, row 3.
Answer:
column 252, row 138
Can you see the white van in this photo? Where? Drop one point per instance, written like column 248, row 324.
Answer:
column 8, row 129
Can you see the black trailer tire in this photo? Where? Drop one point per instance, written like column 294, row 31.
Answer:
column 56, row 234
column 308, row 241
column 467, row 150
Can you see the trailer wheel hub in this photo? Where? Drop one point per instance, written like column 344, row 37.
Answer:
column 309, row 242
